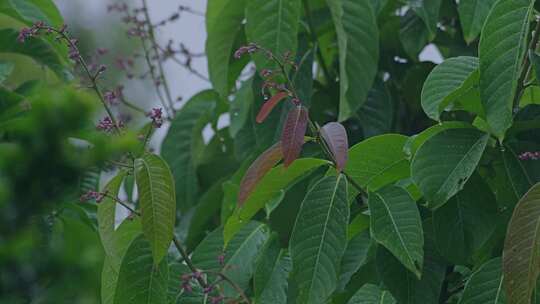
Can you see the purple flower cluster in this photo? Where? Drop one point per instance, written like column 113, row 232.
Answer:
column 157, row 117
column 28, row 32
column 112, row 97
column 529, row 155
column 107, row 125
column 92, row 195
column 247, row 49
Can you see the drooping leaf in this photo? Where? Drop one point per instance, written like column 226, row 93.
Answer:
column 335, row 136
column 396, row 224
column 270, row 279
column 403, row 284
column 258, row 169
column 239, row 255
column 448, row 82
column 223, row 22
column 355, row 23
column 155, row 185
column 106, row 211
column 31, row 11
column 372, row 294
column 36, row 48
column 464, row 224
column 293, row 134
column 269, row 105
column 273, row 25
column 319, row 239
column 428, row 11
column 501, row 51
column 272, row 185
column 521, row 258
column 444, row 163
column 472, row 15
column 356, row 255
column 140, row 280
column 485, row 285
column 378, row 161
column 182, row 145
column 241, row 107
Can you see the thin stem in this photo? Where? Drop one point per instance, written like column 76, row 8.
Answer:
column 131, row 106
column 235, row 286
column 185, row 66
column 155, row 47
column 188, row 261
column 154, row 76
column 146, row 137
column 123, row 204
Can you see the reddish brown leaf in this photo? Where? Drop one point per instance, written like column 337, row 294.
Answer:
column 292, row 137
column 257, row 170
column 269, row 105
column 335, row 136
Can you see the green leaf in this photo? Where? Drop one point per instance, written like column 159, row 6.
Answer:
column 443, row 164
column 6, row 67
column 36, row 48
column 377, row 115
column 378, row 161
column 319, row 239
column 521, row 258
column 416, row 141
column 473, row 14
column 356, row 255
column 31, row 11
column 273, row 25
column 447, row 83
column 395, row 223
column 155, row 186
column 428, row 11
column 501, row 51
column 140, row 280
column 275, row 181
column 372, row 294
column 403, row 284
column 183, row 143
column 485, row 285
column 413, row 34
column 128, row 231
column 240, row 254
column 241, row 107
column 464, row 224
column 270, row 279
column 223, row 22
column 106, row 211
column 355, row 24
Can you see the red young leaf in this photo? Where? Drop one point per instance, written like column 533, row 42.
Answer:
column 257, row 170
column 335, row 136
column 292, row 137
column 269, row 105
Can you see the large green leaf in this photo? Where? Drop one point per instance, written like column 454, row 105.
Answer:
column 270, row 279
column 448, row 82
column 501, row 51
column 356, row 24
column 239, row 256
column 443, row 164
column 464, row 224
column 521, row 256
column 155, row 186
column 403, row 284
column 36, row 48
column 106, row 211
column 378, row 161
column 223, row 22
column 473, row 14
column 272, row 184
column 413, row 34
column 273, row 24
column 428, row 11
column 319, row 239
column 372, row 294
column 183, row 142
column 240, row 107
column 485, row 285
column 395, row 223
column 419, row 139
column 140, row 280
column 356, row 255
column 31, row 11
column 377, row 115
column 128, row 231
